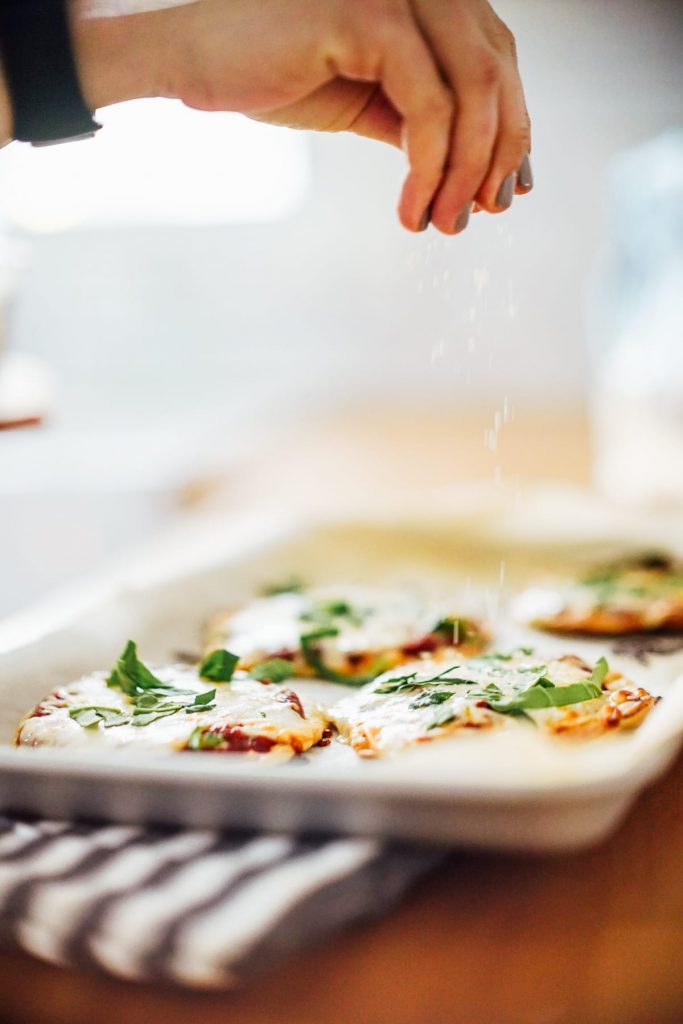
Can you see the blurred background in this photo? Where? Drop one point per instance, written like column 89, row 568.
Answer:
column 192, row 302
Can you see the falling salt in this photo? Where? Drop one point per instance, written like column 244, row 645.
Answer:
column 481, row 278
column 491, row 440
column 438, row 351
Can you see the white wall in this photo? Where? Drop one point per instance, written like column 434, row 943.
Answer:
column 340, row 303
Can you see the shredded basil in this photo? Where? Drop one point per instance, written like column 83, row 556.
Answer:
column 219, row 666
column 291, row 585
column 151, row 699
column 273, row 670
column 411, row 681
column 131, row 675
column 456, row 631
column 429, row 697
column 543, row 693
column 201, row 739
column 313, row 657
column 324, row 613
column 442, row 717
column 92, row 714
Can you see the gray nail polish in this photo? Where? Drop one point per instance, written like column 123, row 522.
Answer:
column 504, row 197
column 426, row 217
column 525, row 176
column 462, row 219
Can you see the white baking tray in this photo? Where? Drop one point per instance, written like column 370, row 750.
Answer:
column 512, row 790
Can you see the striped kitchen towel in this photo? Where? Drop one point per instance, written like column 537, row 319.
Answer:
column 197, row 908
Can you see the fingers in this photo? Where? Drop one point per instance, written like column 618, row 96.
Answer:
column 394, row 54
column 474, row 138
column 411, row 82
column 378, row 120
column 510, row 168
column 488, row 154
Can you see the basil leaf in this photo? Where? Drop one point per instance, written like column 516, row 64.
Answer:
column 219, row 666
column 543, row 696
column 314, row 659
column 323, row 613
column 207, row 697
column 131, row 675
column 201, row 739
column 273, row 670
column 442, row 717
column 291, row 585
column 147, row 717
column 456, row 631
column 425, row 700
column 202, row 702
column 599, row 672
column 410, row 681
column 91, row 715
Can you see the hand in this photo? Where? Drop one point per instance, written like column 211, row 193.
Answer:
column 438, row 77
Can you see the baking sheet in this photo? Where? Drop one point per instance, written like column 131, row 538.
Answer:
column 514, row 788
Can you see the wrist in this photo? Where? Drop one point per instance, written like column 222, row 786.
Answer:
column 5, row 113
column 118, row 58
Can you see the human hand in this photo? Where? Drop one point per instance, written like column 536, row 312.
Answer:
column 438, row 77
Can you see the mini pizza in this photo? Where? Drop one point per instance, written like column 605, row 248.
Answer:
column 632, row 596
column 429, row 701
column 343, row 634
column 175, row 708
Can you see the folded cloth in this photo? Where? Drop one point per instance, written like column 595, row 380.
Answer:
column 193, row 907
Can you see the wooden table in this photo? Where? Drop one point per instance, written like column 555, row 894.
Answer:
column 588, row 938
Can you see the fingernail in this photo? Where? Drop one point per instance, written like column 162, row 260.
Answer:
column 525, row 176
column 504, row 197
column 426, row 217
column 462, row 219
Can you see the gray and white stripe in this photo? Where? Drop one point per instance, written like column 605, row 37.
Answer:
column 198, row 908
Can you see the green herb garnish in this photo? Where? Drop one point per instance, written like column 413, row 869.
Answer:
column 411, row 681
column 273, row 670
column 313, row 657
column 430, row 697
column 543, row 693
column 131, row 675
column 290, row 585
column 201, row 739
column 219, row 666
column 92, row 714
column 151, row 698
column 324, row 613
column 442, row 717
